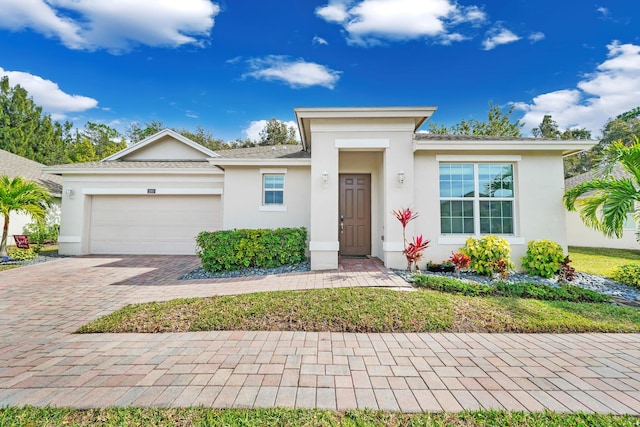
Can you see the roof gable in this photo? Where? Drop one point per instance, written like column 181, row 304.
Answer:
column 166, row 145
column 13, row 165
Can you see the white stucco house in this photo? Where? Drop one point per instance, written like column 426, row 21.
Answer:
column 13, row 165
column 354, row 166
column 578, row 234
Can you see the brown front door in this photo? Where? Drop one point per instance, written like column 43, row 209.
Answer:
column 355, row 214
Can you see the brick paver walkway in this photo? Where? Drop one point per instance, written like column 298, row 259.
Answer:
column 43, row 363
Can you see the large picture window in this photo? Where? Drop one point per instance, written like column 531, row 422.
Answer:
column 476, row 198
column 273, row 189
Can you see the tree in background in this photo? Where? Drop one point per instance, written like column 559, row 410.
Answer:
column 277, row 132
column 25, row 130
column 548, row 129
column 498, row 123
column 24, row 196
column 625, row 128
column 95, row 142
column 204, row 138
column 136, row 133
column 604, row 202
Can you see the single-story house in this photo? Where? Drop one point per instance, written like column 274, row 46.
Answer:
column 578, row 234
column 13, row 165
column 354, row 166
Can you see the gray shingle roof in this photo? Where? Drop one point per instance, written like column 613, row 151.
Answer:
column 117, row 164
column 266, row 152
column 13, row 165
column 618, row 172
column 421, row 136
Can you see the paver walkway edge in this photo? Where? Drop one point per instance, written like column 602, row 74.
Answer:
column 43, row 363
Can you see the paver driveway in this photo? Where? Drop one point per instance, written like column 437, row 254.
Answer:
column 42, row 362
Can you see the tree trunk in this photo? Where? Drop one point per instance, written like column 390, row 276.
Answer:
column 5, row 233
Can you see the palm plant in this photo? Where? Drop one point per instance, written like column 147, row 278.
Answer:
column 20, row 195
column 605, row 202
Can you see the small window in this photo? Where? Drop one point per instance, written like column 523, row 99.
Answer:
column 273, row 189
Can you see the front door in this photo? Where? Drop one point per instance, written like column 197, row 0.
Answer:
column 355, row 214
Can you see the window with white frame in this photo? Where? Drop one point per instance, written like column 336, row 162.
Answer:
column 630, row 222
column 272, row 189
column 476, row 198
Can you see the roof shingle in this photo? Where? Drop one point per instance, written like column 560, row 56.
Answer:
column 13, row 165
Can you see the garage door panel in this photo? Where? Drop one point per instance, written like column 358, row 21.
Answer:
column 151, row 224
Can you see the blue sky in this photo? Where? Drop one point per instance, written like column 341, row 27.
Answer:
column 228, row 66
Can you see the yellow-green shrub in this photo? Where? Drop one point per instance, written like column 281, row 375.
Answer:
column 629, row 274
column 543, row 258
column 487, row 252
column 20, row 254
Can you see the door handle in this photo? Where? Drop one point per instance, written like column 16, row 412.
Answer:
column 341, row 223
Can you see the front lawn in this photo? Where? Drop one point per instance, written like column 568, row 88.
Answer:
column 601, row 261
column 367, row 310
column 30, row 416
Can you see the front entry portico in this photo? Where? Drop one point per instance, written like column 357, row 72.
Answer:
column 357, row 157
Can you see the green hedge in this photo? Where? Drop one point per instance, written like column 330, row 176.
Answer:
column 263, row 248
column 514, row 290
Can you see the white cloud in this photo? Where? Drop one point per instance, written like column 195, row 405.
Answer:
column 536, row 37
column 610, row 90
column 255, row 127
column 319, row 40
column 370, row 22
column 335, row 11
column 48, row 94
column 603, row 11
column 498, row 36
column 295, row 73
column 115, row 25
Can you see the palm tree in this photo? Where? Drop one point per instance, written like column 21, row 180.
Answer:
column 608, row 200
column 20, row 195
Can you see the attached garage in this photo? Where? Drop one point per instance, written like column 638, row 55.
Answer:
column 151, row 224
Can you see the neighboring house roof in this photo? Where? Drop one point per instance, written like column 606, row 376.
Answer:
column 618, row 172
column 13, row 165
column 266, row 152
column 156, row 137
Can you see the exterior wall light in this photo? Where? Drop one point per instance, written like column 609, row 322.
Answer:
column 325, row 177
column 401, row 177
column 69, row 192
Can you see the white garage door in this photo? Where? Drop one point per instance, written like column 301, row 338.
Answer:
column 151, row 224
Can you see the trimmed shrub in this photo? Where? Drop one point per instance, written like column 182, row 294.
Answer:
column 245, row 248
column 629, row 274
column 543, row 258
column 510, row 290
column 445, row 284
column 20, row 254
column 488, row 254
column 40, row 232
column 551, row 293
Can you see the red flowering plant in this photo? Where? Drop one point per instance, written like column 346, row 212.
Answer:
column 412, row 250
column 459, row 261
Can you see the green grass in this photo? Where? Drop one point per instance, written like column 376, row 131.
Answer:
column 8, row 267
column 30, row 416
column 601, row 261
column 367, row 310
